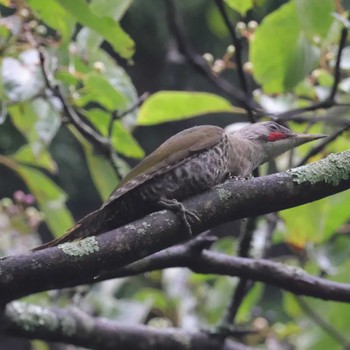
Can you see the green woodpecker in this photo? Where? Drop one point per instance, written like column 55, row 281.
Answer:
column 188, row 163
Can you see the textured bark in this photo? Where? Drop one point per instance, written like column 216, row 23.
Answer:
column 78, row 328
column 289, row 278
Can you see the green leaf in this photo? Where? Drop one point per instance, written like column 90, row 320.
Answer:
column 3, row 112
column 122, row 140
column 305, row 89
column 114, row 9
column 165, row 106
column 121, row 81
column 281, row 52
column 317, row 221
column 5, row 34
column 334, row 314
column 325, row 78
column 241, row 6
column 102, row 173
column 50, row 197
column 250, row 300
column 103, row 25
column 114, row 75
column 315, row 16
column 55, row 16
column 10, row 25
column 217, row 298
column 38, row 121
column 154, row 296
column 215, row 22
column 44, row 159
column 67, row 78
column 100, row 119
column 97, row 88
column 291, row 305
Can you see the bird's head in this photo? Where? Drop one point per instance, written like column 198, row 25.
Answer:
column 269, row 139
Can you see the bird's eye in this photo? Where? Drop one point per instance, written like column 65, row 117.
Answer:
column 274, row 127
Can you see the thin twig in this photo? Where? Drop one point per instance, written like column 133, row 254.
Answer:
column 91, row 134
column 323, row 144
column 198, row 62
column 330, row 120
column 116, row 115
column 237, row 43
column 71, row 114
column 74, row 326
column 342, row 42
column 244, row 284
column 231, row 311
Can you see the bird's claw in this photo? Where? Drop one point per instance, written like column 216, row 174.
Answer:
column 239, row 177
column 174, row 205
column 191, row 214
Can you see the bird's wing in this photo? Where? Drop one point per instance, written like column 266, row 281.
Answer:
column 171, row 153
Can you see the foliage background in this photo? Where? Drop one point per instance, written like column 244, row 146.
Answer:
column 102, row 65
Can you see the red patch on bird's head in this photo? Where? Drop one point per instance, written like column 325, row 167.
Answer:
column 275, row 136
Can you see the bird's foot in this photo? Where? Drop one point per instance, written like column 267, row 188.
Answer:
column 179, row 208
column 239, row 177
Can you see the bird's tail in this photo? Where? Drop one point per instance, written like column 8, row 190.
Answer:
column 87, row 226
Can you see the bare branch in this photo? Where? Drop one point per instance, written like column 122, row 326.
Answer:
column 238, row 54
column 197, row 61
column 120, row 115
column 324, row 143
column 74, row 326
column 243, row 286
column 86, row 130
column 100, row 142
column 292, row 279
column 342, row 42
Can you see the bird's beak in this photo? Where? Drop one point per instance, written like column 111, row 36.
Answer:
column 300, row 138
column 308, row 137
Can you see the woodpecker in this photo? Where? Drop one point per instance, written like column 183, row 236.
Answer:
column 187, row 164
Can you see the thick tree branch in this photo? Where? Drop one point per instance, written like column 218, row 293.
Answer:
column 82, row 262
column 292, row 279
column 76, row 327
